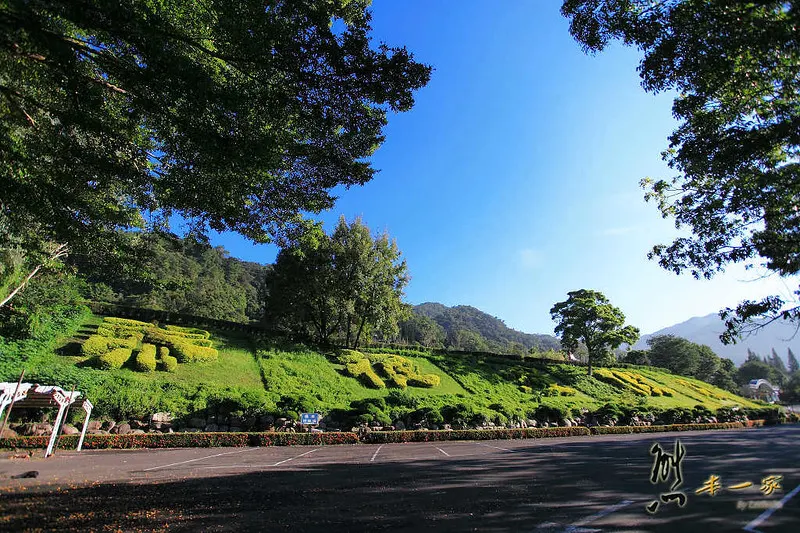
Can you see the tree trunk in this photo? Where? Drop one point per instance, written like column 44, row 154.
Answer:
column 360, row 329
column 60, row 251
column 349, row 322
column 589, row 357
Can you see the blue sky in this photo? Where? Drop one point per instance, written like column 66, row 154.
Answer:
column 514, row 179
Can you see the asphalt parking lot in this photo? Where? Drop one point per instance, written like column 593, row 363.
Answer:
column 561, row 484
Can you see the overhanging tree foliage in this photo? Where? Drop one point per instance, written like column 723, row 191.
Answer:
column 586, row 317
column 236, row 115
column 344, row 286
column 736, row 69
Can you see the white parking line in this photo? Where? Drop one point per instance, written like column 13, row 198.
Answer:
column 295, row 457
column 199, row 459
column 751, row 527
column 577, row 526
column 441, row 450
column 374, row 455
column 495, row 447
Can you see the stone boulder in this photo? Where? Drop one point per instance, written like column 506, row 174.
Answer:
column 138, row 424
column 8, row 433
column 211, row 428
column 108, row 425
column 161, row 417
column 70, row 430
column 42, row 429
column 122, row 429
column 137, row 431
column 94, row 424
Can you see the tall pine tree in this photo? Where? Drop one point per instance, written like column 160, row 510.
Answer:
column 794, row 366
column 776, row 361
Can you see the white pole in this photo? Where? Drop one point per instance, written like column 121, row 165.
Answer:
column 61, row 410
column 13, row 399
column 88, row 408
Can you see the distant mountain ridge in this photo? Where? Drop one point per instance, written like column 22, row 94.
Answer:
column 707, row 329
column 494, row 330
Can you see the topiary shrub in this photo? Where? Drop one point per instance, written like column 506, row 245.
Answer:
column 169, row 363
column 97, row 345
column 424, row 380
column 114, row 359
column 192, row 333
column 146, row 359
column 362, row 370
column 186, row 352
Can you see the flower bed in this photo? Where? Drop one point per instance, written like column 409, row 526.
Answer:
column 212, row 440
column 381, row 437
column 184, row 440
column 615, row 430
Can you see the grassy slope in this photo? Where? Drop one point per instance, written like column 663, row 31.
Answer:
column 487, row 384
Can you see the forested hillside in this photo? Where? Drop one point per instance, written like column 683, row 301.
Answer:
column 468, row 328
column 183, row 276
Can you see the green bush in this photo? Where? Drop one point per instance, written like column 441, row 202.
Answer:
column 349, row 356
column 424, row 380
column 186, row 352
column 196, row 332
column 146, row 359
column 163, row 351
column 169, row 363
column 114, row 359
column 362, row 370
column 97, row 345
column 127, row 322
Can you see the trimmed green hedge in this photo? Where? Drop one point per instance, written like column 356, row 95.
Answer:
column 208, row 440
column 616, row 430
column 362, row 370
column 97, row 345
column 169, row 363
column 424, row 380
column 146, row 358
column 381, row 437
column 200, row 333
column 185, row 440
column 114, row 359
column 190, row 353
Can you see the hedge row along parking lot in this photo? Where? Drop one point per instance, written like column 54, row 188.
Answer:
column 211, row 440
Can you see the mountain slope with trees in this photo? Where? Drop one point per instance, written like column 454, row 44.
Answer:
column 707, row 329
column 468, row 328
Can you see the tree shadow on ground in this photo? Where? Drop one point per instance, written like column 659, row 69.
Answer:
column 546, row 487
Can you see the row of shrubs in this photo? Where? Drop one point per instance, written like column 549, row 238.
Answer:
column 117, row 338
column 209, row 440
column 632, row 382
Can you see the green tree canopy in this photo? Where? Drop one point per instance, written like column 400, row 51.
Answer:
column 736, row 69
column 751, row 370
column 422, row 330
column 587, row 317
column 676, row 354
column 236, row 115
column 346, row 285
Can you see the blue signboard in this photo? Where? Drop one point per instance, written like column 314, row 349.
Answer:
column 309, row 418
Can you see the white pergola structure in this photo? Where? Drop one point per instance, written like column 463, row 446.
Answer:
column 34, row 395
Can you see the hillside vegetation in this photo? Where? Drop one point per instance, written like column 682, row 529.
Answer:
column 380, row 386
